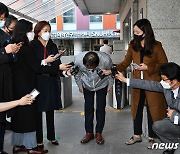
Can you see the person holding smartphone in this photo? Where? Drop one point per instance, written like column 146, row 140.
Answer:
column 25, row 70
column 48, row 85
column 148, row 55
column 6, row 58
column 25, row 100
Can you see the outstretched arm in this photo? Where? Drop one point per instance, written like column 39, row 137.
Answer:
column 141, row 84
column 26, row 100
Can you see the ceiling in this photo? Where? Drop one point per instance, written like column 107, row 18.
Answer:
column 89, row 7
column 37, row 10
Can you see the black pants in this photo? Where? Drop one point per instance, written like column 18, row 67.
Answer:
column 100, row 109
column 2, row 133
column 139, row 117
column 49, row 124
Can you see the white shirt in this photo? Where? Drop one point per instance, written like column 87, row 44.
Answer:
column 175, row 92
column 105, row 48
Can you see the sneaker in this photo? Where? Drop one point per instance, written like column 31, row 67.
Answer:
column 133, row 140
column 150, row 143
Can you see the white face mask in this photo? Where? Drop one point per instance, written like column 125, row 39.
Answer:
column 45, row 36
column 30, row 36
column 165, row 84
column 2, row 24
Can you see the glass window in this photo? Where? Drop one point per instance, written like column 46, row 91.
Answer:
column 95, row 18
column 69, row 16
column 53, row 20
column 117, row 17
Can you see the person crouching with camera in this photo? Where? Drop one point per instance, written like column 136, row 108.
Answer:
column 91, row 80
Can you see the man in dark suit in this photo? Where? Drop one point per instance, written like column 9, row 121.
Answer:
column 168, row 129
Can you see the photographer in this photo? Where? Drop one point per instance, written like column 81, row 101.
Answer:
column 90, row 80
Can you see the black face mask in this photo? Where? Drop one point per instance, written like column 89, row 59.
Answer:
column 138, row 38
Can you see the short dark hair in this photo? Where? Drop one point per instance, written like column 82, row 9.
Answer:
column 9, row 20
column 21, row 29
column 105, row 41
column 171, row 70
column 4, row 10
column 91, row 60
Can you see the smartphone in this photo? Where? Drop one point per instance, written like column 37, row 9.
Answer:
column 20, row 43
column 135, row 65
column 34, row 93
column 63, row 51
column 57, row 55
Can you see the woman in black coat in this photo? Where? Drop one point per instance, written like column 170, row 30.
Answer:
column 48, row 85
column 24, row 72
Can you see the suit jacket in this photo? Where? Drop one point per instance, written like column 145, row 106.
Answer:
column 158, row 58
column 156, row 86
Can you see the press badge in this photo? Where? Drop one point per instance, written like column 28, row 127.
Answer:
column 176, row 118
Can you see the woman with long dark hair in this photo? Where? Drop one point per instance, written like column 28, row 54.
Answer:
column 25, row 70
column 147, row 56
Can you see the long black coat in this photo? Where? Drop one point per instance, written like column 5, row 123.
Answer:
column 24, row 80
column 48, row 85
column 5, row 73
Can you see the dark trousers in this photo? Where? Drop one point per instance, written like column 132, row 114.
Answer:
column 49, row 125
column 2, row 133
column 100, row 109
column 139, row 117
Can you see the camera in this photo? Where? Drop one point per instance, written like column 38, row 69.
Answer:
column 114, row 71
column 100, row 73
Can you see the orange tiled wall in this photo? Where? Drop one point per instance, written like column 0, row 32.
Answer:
column 109, row 21
column 59, row 22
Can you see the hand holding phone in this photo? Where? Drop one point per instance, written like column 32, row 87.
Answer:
column 34, row 93
column 57, row 55
column 135, row 66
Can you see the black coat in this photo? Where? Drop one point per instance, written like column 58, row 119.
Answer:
column 5, row 73
column 24, row 72
column 48, row 85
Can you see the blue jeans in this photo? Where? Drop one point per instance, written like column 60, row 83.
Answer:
column 26, row 139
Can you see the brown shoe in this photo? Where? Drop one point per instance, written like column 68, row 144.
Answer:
column 133, row 140
column 88, row 137
column 99, row 138
column 17, row 149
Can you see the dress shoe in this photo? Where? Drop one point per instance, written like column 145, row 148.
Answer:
column 99, row 138
column 3, row 152
column 17, row 149
column 37, row 151
column 40, row 145
column 133, row 140
column 88, row 137
column 55, row 142
column 169, row 151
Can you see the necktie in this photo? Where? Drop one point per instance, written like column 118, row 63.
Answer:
column 45, row 53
